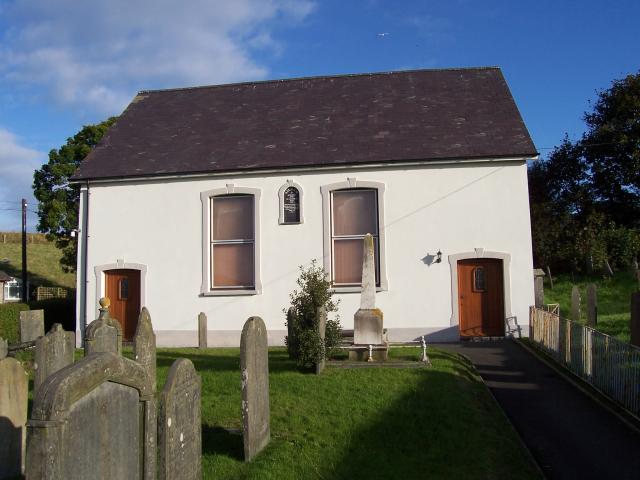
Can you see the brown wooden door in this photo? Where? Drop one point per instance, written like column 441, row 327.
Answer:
column 481, row 297
column 123, row 289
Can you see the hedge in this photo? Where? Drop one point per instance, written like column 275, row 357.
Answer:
column 10, row 320
column 57, row 310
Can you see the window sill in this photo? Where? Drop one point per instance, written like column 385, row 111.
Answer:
column 229, row 293
column 354, row 289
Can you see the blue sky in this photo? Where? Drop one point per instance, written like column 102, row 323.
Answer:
column 65, row 63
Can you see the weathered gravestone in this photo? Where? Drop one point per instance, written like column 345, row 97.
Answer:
column 635, row 319
column 103, row 334
column 575, row 303
column 54, row 351
column 254, row 367
column 144, row 346
column 14, row 385
column 538, row 283
column 95, row 419
column 31, row 325
column 4, row 348
column 322, row 328
column 202, row 330
column 592, row 305
column 179, row 424
column 291, row 335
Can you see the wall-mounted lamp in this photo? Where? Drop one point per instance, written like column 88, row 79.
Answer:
column 439, row 257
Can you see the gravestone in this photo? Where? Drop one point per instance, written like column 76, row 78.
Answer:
column 202, row 330
column 103, row 334
column 254, row 368
column 367, row 329
column 592, row 305
column 14, row 392
column 31, row 325
column 53, row 351
column 94, row 419
column 4, row 348
column 575, row 303
column 291, row 336
column 179, row 424
column 635, row 319
column 538, row 275
column 322, row 327
column 144, row 346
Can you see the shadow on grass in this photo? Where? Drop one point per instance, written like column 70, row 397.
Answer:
column 447, row 427
column 204, row 360
column 15, row 271
column 219, row 441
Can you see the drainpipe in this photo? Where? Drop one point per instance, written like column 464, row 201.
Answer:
column 85, row 249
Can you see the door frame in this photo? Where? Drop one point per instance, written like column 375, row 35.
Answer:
column 100, row 270
column 479, row 253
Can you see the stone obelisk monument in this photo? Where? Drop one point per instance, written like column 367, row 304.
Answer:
column 367, row 321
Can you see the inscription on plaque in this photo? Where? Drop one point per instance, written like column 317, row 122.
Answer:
column 291, row 205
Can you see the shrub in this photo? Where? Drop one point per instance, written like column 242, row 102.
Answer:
column 306, row 346
column 10, row 320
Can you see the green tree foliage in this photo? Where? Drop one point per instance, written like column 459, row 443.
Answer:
column 306, row 346
column 58, row 201
column 585, row 197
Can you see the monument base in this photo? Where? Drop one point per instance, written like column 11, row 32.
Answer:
column 360, row 353
column 367, row 327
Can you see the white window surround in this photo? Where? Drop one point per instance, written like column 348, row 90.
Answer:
column 99, row 271
column 351, row 183
column 205, row 199
column 479, row 253
column 283, row 188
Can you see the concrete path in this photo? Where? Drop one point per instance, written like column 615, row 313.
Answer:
column 569, row 434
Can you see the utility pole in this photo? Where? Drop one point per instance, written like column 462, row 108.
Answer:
column 24, row 251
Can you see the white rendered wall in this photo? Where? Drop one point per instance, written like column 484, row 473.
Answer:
column 452, row 208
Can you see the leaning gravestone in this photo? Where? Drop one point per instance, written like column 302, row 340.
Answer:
column 202, row 330
column 322, row 328
column 291, row 337
column 93, row 420
column 538, row 284
column 254, row 367
column 31, row 325
column 592, row 305
column 144, row 346
column 575, row 303
column 635, row 319
column 179, row 424
column 103, row 334
column 54, row 351
column 13, row 416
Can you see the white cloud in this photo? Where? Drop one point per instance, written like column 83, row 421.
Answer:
column 17, row 164
column 96, row 54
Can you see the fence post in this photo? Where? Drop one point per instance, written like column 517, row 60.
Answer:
column 532, row 310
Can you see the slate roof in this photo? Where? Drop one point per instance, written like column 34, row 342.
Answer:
column 4, row 277
column 418, row 115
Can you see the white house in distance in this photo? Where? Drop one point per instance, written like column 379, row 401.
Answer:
column 208, row 200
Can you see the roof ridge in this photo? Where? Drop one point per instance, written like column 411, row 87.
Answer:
column 317, row 77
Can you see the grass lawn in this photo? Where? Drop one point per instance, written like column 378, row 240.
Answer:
column 437, row 422
column 43, row 260
column 614, row 297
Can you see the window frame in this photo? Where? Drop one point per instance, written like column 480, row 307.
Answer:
column 327, row 214
column 207, row 288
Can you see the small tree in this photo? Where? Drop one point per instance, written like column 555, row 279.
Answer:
column 306, row 346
